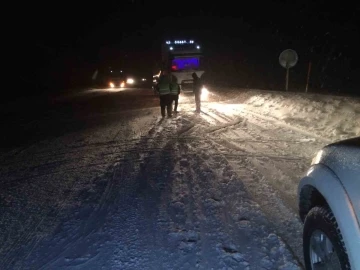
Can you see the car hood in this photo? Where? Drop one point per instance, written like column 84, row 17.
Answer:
column 343, row 158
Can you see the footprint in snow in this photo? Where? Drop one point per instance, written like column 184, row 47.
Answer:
column 230, row 248
column 160, row 186
column 244, row 223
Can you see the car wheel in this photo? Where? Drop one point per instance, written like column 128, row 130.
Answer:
column 322, row 241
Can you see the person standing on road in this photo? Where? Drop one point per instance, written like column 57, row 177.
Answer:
column 163, row 88
column 197, row 86
column 175, row 92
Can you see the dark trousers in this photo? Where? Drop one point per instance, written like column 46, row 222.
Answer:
column 176, row 99
column 166, row 102
column 198, row 100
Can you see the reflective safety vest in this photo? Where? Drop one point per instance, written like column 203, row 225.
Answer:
column 174, row 88
column 164, row 85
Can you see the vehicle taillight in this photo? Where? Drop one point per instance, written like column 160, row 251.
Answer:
column 174, row 67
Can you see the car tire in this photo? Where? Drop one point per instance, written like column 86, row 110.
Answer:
column 322, row 219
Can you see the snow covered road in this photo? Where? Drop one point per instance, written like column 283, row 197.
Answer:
column 126, row 189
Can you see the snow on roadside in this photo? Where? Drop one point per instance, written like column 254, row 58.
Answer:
column 328, row 116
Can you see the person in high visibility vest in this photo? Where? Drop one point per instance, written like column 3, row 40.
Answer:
column 174, row 92
column 163, row 88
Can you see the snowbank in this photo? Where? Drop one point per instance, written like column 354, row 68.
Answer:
column 331, row 117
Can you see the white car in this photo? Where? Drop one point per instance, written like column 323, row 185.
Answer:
column 329, row 206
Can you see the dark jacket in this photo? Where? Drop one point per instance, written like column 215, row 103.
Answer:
column 197, row 85
column 163, row 87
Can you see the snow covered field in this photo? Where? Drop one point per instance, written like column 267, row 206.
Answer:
column 121, row 188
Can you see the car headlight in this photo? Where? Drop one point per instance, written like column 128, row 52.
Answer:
column 204, row 93
column 111, row 85
column 130, row 81
column 122, row 84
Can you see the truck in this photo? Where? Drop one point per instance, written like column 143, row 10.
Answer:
column 182, row 58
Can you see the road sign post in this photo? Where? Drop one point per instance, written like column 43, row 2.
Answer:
column 287, row 79
column 308, row 77
column 288, row 59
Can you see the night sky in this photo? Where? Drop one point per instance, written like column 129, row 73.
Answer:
column 64, row 42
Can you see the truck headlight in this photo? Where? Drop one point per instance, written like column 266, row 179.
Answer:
column 130, row 81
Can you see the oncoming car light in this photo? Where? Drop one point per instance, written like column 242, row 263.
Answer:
column 122, row 84
column 130, row 81
column 112, row 85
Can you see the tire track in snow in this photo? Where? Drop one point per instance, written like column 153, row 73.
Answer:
column 37, row 226
column 263, row 191
column 284, row 220
column 118, row 187
column 225, row 125
column 266, row 189
column 118, row 184
column 204, row 225
column 221, row 117
column 203, row 202
column 281, row 218
column 279, row 123
column 236, row 198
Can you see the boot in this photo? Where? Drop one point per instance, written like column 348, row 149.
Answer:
column 198, row 108
column 169, row 112
column 169, row 109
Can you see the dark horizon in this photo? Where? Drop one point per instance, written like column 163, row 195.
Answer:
column 241, row 46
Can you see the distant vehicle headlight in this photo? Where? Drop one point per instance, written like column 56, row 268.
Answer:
column 111, row 85
column 130, row 81
column 122, row 84
column 143, row 79
column 204, row 93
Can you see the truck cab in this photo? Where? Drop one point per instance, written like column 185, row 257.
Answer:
column 182, row 58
